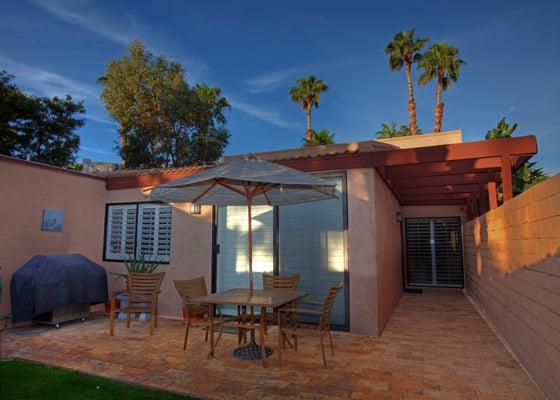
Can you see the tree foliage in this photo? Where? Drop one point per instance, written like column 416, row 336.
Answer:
column 307, row 93
column 390, row 130
column 440, row 62
column 404, row 50
column 319, row 138
column 40, row 128
column 163, row 122
column 528, row 174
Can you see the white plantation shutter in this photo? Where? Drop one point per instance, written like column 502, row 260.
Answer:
column 121, row 231
column 141, row 229
column 154, row 231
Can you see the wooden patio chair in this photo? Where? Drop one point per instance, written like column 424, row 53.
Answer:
column 282, row 282
column 295, row 328
column 142, row 291
column 189, row 289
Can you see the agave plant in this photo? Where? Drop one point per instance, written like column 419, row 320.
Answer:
column 140, row 264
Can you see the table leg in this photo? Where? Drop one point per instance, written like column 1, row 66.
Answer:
column 211, row 327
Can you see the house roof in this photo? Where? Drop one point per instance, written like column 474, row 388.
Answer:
column 455, row 173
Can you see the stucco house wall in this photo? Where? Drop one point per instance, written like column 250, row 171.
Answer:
column 191, row 249
column 26, row 189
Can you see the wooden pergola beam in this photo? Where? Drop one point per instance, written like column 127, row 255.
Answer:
column 448, row 202
column 444, row 189
column 456, row 179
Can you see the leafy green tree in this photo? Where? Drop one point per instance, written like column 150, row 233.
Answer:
column 528, row 174
column 390, row 130
column 321, row 137
column 38, row 128
column 440, row 61
column 162, row 121
column 308, row 93
column 404, row 50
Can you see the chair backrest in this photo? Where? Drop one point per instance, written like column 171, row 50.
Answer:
column 328, row 305
column 189, row 288
column 287, row 282
column 142, row 286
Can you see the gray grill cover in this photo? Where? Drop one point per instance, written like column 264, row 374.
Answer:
column 45, row 283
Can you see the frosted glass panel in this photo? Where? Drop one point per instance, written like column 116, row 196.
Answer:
column 312, row 245
column 232, row 264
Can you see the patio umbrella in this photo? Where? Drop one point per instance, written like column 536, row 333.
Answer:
column 248, row 181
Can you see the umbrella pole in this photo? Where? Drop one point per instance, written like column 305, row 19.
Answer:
column 250, row 241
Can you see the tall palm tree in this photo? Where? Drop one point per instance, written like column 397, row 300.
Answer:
column 307, row 93
column 440, row 61
column 404, row 50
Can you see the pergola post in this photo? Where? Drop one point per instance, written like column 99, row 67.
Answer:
column 507, row 184
column 492, row 195
column 482, row 203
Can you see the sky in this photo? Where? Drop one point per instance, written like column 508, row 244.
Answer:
column 255, row 51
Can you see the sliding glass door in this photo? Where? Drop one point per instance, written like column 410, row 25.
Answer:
column 308, row 239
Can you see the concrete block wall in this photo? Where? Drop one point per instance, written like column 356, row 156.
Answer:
column 512, row 266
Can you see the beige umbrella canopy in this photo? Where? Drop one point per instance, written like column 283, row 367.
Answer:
column 247, row 181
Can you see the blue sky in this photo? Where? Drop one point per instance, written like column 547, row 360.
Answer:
column 255, row 51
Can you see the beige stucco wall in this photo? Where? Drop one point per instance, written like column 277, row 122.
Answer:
column 512, row 264
column 425, row 139
column 362, row 252
column 388, row 240
column 25, row 190
column 191, row 249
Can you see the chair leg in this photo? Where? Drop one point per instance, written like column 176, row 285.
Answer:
column 152, row 320
column 280, row 339
column 295, row 342
column 187, row 333
column 262, row 334
column 331, row 342
column 156, row 317
column 323, row 350
column 206, row 334
column 112, row 323
column 128, row 320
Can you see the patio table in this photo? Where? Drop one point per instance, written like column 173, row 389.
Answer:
column 261, row 298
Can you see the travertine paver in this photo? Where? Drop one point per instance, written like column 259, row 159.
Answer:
column 435, row 346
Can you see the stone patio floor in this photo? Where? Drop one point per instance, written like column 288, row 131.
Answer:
column 435, row 346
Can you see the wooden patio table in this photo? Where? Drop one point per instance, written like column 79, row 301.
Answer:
column 261, row 298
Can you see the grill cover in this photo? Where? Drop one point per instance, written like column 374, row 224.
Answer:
column 47, row 282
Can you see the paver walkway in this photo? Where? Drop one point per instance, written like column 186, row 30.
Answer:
column 435, row 346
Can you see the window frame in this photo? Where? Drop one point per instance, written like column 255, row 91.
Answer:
column 137, row 205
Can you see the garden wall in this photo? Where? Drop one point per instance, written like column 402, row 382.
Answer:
column 512, row 263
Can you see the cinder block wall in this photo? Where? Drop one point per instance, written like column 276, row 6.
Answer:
column 512, row 263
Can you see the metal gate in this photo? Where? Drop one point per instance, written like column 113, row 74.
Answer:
column 434, row 252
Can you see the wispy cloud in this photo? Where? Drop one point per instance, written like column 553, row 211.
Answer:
column 121, row 29
column 41, row 82
column 96, row 150
column 267, row 82
column 265, row 114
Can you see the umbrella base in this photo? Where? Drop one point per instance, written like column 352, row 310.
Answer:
column 251, row 351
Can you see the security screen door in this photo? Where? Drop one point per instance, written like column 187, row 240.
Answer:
column 310, row 241
column 434, row 252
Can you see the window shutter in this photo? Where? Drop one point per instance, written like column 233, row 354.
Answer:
column 154, row 232
column 121, row 229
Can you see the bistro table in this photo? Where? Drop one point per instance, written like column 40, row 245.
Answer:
column 261, row 298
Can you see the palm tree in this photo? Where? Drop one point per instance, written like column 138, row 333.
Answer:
column 404, row 50
column 441, row 62
column 307, row 93
column 319, row 138
column 390, row 130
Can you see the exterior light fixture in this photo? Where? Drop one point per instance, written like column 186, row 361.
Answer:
column 195, row 208
column 399, row 216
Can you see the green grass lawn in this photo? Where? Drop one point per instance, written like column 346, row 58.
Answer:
column 25, row 380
